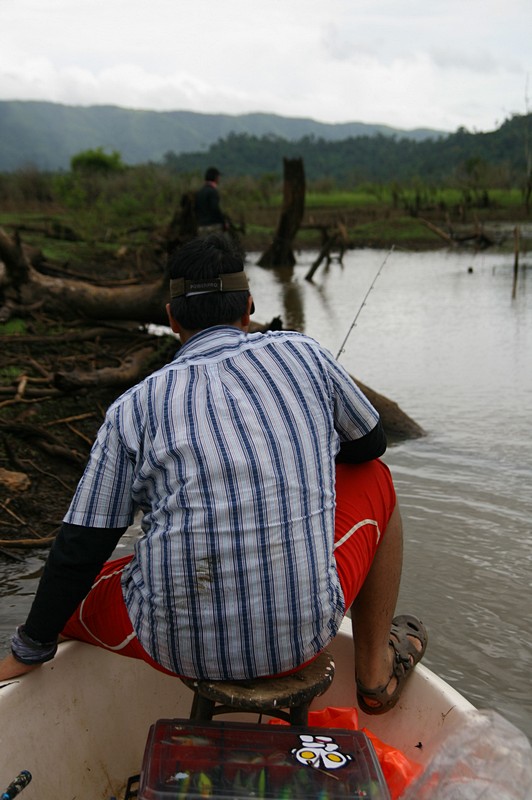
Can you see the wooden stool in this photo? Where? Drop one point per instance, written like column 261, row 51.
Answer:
column 264, row 695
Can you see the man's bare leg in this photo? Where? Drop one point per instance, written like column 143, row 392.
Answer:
column 374, row 607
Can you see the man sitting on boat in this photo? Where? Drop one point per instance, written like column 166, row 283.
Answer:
column 267, row 513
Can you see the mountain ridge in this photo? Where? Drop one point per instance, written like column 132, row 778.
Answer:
column 46, row 135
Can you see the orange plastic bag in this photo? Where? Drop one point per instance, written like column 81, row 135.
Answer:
column 398, row 770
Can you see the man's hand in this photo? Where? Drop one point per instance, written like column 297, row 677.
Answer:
column 11, row 668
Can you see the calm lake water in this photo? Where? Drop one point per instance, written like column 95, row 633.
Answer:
column 441, row 335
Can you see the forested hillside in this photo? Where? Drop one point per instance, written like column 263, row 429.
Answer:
column 500, row 158
column 47, row 135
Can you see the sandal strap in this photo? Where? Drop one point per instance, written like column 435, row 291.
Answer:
column 405, row 628
column 406, row 655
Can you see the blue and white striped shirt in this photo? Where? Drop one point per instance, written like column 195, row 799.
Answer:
column 229, row 452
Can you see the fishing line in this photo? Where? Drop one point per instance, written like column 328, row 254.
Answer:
column 363, row 303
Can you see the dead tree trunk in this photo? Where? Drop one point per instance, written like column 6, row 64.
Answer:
column 279, row 253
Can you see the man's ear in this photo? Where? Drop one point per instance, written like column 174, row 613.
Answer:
column 175, row 326
column 250, row 309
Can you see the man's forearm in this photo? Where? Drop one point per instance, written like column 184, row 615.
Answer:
column 75, row 559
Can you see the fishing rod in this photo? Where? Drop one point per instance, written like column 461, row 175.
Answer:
column 363, row 303
column 16, row 786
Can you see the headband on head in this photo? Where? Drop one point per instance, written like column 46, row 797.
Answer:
column 228, row 282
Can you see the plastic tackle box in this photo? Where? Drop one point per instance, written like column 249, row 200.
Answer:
column 186, row 760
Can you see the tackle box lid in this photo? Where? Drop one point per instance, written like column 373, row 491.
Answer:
column 189, row 760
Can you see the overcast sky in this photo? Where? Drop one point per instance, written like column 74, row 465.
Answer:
column 407, row 63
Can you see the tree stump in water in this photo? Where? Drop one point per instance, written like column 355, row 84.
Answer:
column 335, row 240
column 279, row 253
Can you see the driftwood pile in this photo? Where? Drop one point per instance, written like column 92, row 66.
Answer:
column 54, row 391
column 81, row 343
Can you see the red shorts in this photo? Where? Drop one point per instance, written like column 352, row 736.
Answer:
column 365, row 500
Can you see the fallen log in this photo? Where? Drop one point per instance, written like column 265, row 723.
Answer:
column 83, row 335
column 130, row 371
column 331, row 241
column 438, row 231
column 478, row 238
column 143, row 302
column 45, row 540
column 397, row 425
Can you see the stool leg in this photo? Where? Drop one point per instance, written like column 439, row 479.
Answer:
column 202, row 708
column 299, row 715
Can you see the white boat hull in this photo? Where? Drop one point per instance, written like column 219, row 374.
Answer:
column 79, row 724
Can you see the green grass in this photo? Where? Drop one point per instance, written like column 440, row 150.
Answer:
column 389, row 197
column 14, row 325
column 14, row 218
column 402, row 229
column 343, row 199
column 9, row 375
column 308, row 237
column 507, row 198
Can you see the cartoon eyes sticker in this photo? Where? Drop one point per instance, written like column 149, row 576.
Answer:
column 320, row 752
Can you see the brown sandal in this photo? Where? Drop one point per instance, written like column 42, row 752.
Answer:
column 406, row 656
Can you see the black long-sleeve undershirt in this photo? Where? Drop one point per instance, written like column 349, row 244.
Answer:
column 76, row 557
column 367, row 448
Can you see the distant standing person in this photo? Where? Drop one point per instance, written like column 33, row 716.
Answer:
column 209, row 216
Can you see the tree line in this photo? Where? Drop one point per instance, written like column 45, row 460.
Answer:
column 498, row 159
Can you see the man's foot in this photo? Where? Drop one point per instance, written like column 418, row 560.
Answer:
column 408, row 641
